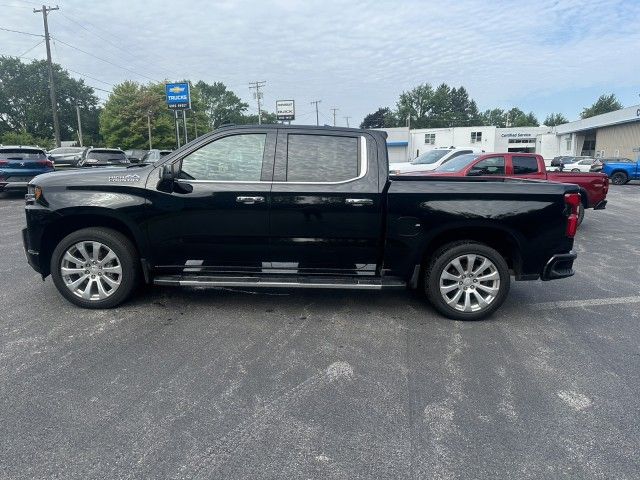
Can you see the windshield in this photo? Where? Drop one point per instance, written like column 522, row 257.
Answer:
column 457, row 163
column 21, row 154
column 430, row 157
column 107, row 156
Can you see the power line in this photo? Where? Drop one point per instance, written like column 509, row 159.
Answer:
column 20, row 31
column 27, row 51
column 106, row 61
column 115, row 45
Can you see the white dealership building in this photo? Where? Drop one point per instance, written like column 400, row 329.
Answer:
column 614, row 134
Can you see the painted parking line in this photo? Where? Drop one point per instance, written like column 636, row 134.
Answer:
column 586, row 303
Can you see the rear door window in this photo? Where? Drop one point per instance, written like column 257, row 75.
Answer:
column 524, row 165
column 322, row 158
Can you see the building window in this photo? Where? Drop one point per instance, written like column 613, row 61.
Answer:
column 567, row 139
column 476, row 137
column 430, row 138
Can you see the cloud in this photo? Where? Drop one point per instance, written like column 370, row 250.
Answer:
column 355, row 55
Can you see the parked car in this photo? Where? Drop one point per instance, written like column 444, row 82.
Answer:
column 429, row 160
column 103, row 157
column 559, row 164
column 315, row 209
column 593, row 186
column 620, row 172
column 154, row 155
column 19, row 164
column 582, row 165
column 135, row 155
column 66, row 157
column 597, row 165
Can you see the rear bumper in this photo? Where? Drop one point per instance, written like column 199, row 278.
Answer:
column 601, row 205
column 32, row 255
column 7, row 186
column 559, row 266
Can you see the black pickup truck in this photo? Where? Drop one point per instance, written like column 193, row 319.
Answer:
column 291, row 206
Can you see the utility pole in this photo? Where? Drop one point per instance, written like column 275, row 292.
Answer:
column 334, row 110
column 149, row 127
column 316, row 102
column 347, row 119
column 52, row 89
column 79, row 123
column 258, row 96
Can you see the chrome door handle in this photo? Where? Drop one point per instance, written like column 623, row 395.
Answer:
column 358, row 202
column 250, row 200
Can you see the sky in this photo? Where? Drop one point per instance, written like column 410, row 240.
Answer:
column 543, row 56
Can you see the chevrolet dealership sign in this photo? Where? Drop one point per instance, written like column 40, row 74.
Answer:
column 178, row 96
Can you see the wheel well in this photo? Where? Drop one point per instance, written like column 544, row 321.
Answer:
column 619, row 171
column 584, row 198
column 68, row 224
column 500, row 240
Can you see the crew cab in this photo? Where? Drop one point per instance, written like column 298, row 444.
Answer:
column 622, row 171
column 593, row 186
column 294, row 206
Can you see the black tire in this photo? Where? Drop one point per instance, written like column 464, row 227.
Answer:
column 441, row 259
column 619, row 178
column 120, row 245
column 575, row 170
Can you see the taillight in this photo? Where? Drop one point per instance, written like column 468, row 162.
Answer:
column 572, row 200
column 4, row 162
column 46, row 163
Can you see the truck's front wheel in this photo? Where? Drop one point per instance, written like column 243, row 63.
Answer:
column 466, row 280
column 95, row 267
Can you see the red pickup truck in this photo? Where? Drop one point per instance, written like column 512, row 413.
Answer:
column 593, row 186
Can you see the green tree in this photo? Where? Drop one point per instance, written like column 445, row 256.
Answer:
column 604, row 104
column 25, row 105
column 495, row 117
column 415, row 104
column 517, row 118
column 554, row 119
column 381, row 118
column 220, row 104
column 267, row 117
column 123, row 120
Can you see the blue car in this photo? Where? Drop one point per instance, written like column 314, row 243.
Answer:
column 620, row 172
column 20, row 164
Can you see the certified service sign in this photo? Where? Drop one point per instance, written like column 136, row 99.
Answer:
column 178, row 96
column 286, row 110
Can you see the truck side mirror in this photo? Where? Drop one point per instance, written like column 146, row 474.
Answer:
column 167, row 177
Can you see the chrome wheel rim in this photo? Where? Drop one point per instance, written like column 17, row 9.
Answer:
column 470, row 283
column 91, row 270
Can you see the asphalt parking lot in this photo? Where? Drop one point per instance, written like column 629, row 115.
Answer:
column 193, row 383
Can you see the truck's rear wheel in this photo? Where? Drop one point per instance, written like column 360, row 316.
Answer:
column 466, row 280
column 619, row 178
column 95, row 267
